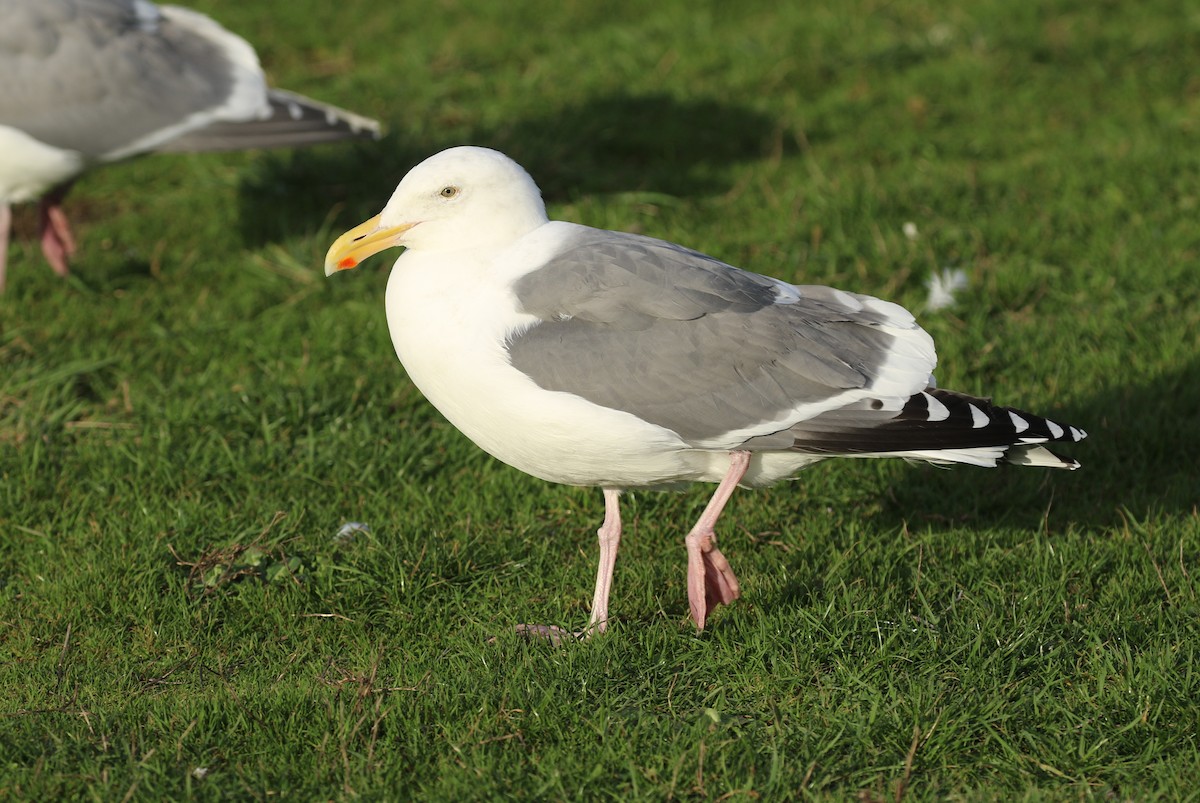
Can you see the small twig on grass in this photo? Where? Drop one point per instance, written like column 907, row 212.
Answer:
column 420, row 558
column 1046, row 514
column 920, row 561
column 1161, row 580
column 30, row 712
column 414, row 687
column 97, row 425
column 161, row 680
column 60, row 670
column 808, row 774
column 1186, row 577
column 380, row 713
column 182, row 736
column 1048, row 768
column 902, row 785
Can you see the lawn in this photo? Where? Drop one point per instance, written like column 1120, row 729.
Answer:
column 188, row 421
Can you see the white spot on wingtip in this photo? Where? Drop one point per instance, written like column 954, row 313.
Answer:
column 1020, row 423
column 979, row 418
column 1077, row 434
column 937, row 410
column 1054, row 428
column 294, row 111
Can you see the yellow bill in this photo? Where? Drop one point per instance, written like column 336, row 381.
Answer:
column 364, row 240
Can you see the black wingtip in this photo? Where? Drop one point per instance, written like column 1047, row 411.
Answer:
column 941, row 426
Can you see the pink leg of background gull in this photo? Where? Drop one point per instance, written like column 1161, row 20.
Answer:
column 5, row 225
column 57, row 243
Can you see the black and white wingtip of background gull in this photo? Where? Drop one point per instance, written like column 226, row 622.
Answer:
column 86, row 82
column 597, row 358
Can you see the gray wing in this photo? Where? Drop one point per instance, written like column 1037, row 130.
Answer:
column 294, row 121
column 692, row 344
column 112, row 78
column 96, row 76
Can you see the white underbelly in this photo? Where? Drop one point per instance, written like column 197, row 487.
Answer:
column 30, row 167
column 555, row 436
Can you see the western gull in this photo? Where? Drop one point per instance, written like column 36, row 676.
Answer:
column 601, row 358
column 94, row 81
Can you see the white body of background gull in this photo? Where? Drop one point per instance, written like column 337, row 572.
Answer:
column 593, row 357
column 84, row 82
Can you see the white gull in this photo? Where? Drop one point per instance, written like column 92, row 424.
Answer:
column 599, row 358
column 86, row 82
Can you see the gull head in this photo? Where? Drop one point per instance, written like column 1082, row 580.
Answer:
column 461, row 198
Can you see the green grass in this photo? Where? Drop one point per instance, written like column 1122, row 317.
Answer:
column 188, row 420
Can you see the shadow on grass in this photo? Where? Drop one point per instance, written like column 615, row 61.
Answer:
column 609, row 144
column 652, row 143
column 294, row 193
column 1138, row 462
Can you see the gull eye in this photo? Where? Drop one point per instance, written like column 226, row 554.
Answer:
column 448, row 192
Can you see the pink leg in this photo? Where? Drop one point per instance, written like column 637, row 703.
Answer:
column 711, row 580
column 609, row 536
column 57, row 242
column 5, row 226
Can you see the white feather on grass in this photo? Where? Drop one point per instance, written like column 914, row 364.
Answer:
column 942, row 286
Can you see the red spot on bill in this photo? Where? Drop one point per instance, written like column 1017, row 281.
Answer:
column 348, row 262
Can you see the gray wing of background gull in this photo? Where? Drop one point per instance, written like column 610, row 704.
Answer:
column 113, row 78
column 703, row 349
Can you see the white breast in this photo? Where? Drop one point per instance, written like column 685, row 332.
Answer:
column 449, row 320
